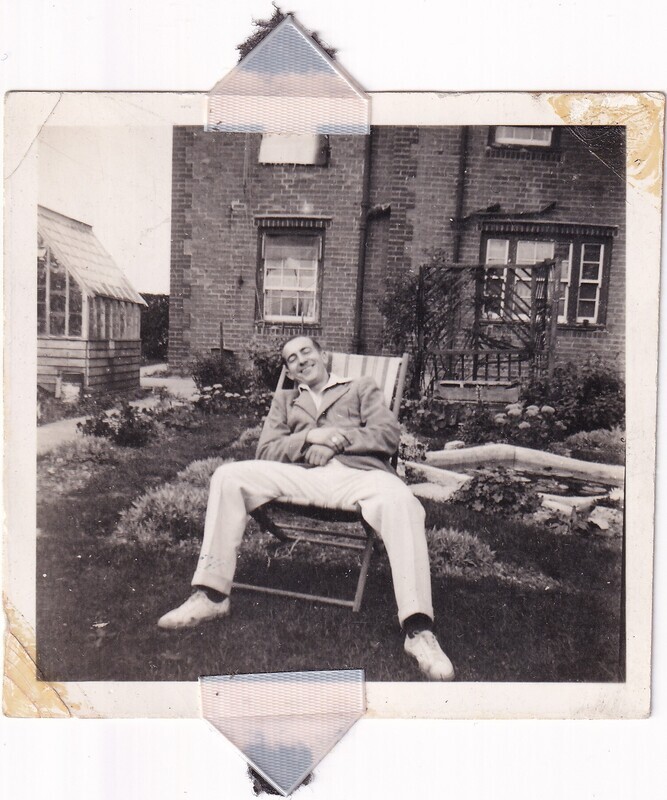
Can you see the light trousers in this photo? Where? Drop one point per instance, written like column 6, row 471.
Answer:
column 384, row 501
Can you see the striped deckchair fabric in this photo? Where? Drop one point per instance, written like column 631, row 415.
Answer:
column 383, row 369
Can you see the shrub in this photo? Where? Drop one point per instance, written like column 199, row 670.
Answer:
column 246, row 403
column 79, row 451
column 199, row 472
column 247, row 440
column 411, row 448
column 455, row 552
column 170, row 514
column 585, row 396
column 129, row 427
column 220, row 369
column 265, row 358
column 527, row 426
column 178, row 416
column 604, row 446
column 480, row 427
column 498, row 491
column 427, row 415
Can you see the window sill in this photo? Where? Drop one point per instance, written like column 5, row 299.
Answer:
column 580, row 326
column 522, row 153
column 286, row 328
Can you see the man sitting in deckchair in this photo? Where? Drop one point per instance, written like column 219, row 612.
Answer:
column 327, row 442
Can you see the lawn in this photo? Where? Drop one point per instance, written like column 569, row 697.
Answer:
column 514, row 601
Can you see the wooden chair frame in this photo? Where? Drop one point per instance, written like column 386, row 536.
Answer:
column 391, row 371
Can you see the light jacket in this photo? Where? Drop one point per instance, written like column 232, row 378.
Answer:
column 357, row 408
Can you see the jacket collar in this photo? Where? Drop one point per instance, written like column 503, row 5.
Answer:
column 335, row 388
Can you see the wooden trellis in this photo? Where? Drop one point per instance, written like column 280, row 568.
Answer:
column 481, row 324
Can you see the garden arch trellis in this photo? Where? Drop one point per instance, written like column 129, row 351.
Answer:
column 477, row 324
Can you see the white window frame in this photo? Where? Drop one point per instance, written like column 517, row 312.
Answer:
column 590, row 282
column 502, row 277
column 565, row 284
column 311, row 319
column 502, row 135
column 69, row 281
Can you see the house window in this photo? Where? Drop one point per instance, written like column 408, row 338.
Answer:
column 582, row 268
column 59, row 298
column 294, row 148
column 522, row 136
column 590, row 282
column 508, row 290
column 290, row 276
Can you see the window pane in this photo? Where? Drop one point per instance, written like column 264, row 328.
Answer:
column 544, row 250
column 41, row 272
column 587, row 309
column 533, row 252
column 305, row 248
column 272, row 304
column 41, row 318
column 75, row 323
column 591, row 252
column 289, row 306
column 588, row 291
column 290, row 278
column 496, row 251
column 57, row 324
column 58, row 303
column 58, row 277
column 522, row 134
column 590, row 272
column 307, row 279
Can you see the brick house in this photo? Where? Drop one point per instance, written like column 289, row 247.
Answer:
column 290, row 224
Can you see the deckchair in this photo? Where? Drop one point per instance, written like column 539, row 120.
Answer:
column 389, row 373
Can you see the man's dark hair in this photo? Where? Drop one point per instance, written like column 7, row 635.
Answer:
column 316, row 344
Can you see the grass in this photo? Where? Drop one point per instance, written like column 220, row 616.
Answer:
column 541, row 607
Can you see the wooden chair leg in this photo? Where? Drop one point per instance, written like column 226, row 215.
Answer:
column 363, row 574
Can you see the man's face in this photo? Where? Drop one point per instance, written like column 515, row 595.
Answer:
column 305, row 363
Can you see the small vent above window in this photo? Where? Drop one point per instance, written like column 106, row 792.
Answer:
column 523, row 136
column 283, row 148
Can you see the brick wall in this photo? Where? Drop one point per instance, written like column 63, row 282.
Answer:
column 587, row 182
column 219, row 189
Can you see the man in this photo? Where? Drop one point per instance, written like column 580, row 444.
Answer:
column 328, row 442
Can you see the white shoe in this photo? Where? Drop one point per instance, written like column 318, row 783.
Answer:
column 424, row 647
column 197, row 608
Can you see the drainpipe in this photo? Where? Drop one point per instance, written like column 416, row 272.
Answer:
column 363, row 234
column 460, row 194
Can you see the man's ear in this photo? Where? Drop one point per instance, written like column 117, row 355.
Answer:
column 327, row 358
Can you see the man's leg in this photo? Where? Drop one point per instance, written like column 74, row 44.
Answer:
column 236, row 489
column 391, row 509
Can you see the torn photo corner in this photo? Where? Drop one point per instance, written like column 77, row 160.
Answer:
column 508, row 242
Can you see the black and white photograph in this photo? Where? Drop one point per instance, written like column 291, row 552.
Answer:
column 319, row 377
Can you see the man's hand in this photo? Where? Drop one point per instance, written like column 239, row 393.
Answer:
column 330, row 436
column 317, row 455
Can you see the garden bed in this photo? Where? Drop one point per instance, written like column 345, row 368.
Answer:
column 514, row 600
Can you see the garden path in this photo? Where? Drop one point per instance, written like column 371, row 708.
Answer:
column 56, row 433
